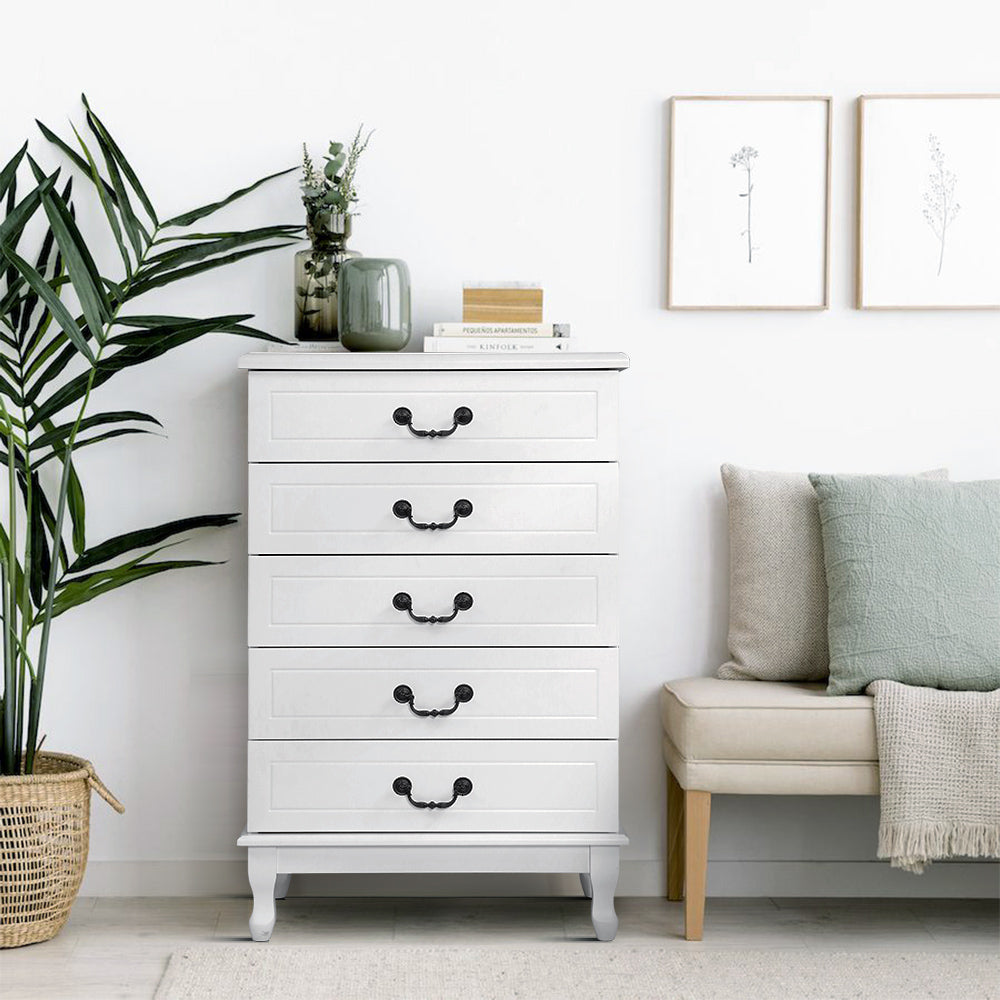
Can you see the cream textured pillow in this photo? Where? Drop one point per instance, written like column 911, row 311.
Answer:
column 777, row 582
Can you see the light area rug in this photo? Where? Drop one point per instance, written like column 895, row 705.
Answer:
column 571, row 972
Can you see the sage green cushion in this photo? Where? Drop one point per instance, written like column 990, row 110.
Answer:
column 913, row 576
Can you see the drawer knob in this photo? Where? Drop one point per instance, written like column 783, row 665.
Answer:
column 403, row 509
column 403, row 602
column 404, row 695
column 404, row 417
column 403, row 786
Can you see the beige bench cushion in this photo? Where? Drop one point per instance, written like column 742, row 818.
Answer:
column 708, row 719
column 773, row 777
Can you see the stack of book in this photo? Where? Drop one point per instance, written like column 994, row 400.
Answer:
column 499, row 317
column 498, row 338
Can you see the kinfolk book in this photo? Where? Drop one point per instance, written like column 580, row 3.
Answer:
column 496, row 345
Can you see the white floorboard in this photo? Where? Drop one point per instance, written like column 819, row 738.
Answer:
column 118, row 947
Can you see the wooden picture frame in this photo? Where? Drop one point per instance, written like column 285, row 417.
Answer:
column 798, row 278
column 901, row 238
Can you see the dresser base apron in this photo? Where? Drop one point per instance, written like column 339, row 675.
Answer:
column 273, row 857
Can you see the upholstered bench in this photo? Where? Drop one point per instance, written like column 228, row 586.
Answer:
column 748, row 737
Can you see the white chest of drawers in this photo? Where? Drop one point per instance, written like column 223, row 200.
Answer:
column 433, row 620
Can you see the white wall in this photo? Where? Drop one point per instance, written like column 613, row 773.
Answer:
column 520, row 140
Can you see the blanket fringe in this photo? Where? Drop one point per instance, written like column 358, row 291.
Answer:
column 912, row 846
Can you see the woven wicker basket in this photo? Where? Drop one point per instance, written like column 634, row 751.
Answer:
column 44, row 834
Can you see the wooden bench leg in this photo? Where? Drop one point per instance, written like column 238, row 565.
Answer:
column 697, row 813
column 675, row 838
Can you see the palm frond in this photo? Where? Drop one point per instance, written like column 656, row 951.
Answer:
column 55, row 353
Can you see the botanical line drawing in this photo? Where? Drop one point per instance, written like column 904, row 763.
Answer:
column 940, row 207
column 745, row 158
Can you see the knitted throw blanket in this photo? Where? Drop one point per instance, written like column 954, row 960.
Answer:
column 939, row 765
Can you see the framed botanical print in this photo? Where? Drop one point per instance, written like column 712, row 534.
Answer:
column 749, row 203
column 928, row 201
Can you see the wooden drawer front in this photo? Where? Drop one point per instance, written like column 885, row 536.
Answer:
column 316, row 694
column 347, row 785
column 517, row 600
column 517, row 416
column 553, row 508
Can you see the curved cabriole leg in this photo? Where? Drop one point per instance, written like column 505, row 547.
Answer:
column 281, row 886
column 587, row 885
column 263, row 872
column 604, row 880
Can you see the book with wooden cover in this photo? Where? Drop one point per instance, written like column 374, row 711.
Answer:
column 501, row 305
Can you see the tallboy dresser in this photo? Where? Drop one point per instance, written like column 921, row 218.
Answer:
column 433, row 620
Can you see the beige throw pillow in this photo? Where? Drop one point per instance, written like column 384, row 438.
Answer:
column 777, row 581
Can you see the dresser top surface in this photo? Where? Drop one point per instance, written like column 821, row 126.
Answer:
column 296, row 359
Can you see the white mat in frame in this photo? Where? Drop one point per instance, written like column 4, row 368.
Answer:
column 749, row 202
column 928, row 228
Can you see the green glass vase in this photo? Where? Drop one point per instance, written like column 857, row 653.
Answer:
column 373, row 304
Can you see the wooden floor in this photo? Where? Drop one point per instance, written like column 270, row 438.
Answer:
column 119, row 947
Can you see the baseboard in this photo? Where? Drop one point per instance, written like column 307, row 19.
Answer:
column 228, row 877
column 945, row 879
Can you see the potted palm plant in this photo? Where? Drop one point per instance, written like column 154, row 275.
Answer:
column 67, row 326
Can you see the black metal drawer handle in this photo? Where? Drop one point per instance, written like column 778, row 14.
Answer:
column 403, row 786
column 404, row 509
column 403, row 602
column 404, row 695
column 404, row 417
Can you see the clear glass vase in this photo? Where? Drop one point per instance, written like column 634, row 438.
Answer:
column 316, row 274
